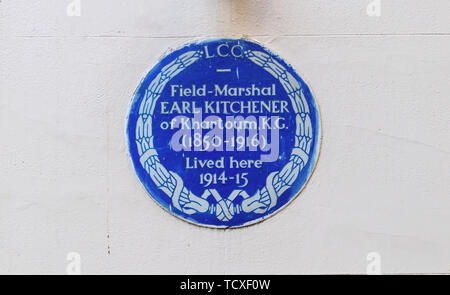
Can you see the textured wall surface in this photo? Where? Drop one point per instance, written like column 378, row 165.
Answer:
column 382, row 183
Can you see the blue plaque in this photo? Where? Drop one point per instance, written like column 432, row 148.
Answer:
column 223, row 133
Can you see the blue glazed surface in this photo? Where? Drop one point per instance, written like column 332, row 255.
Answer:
column 164, row 172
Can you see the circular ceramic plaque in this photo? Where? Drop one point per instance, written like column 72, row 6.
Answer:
column 223, row 133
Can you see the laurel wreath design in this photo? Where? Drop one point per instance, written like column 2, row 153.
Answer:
column 224, row 209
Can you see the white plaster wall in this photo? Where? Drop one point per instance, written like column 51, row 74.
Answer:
column 382, row 183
